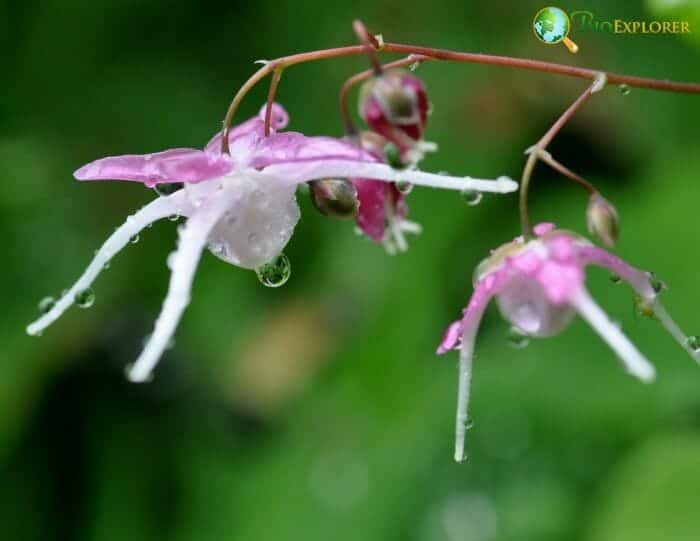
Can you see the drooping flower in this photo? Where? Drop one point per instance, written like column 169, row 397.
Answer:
column 241, row 205
column 539, row 287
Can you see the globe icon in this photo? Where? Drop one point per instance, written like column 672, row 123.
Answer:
column 551, row 25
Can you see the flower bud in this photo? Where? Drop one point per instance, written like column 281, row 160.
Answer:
column 334, row 197
column 395, row 105
column 602, row 220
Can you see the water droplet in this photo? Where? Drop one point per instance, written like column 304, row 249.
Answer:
column 135, row 239
column 468, row 423
column 693, row 342
column 252, row 238
column 173, row 218
column 624, row 89
column 404, row 187
column 645, row 307
column 168, row 188
column 517, row 339
column 656, row 284
column 46, row 304
column 414, row 66
column 615, row 278
column 471, row 197
column 276, row 272
column 85, row 298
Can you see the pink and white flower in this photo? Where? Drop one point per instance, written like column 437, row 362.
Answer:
column 241, row 205
column 539, row 287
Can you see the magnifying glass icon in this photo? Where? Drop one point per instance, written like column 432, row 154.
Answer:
column 551, row 25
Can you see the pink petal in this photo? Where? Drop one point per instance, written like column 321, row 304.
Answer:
column 485, row 288
column 452, row 337
column 560, row 281
column 543, row 228
column 174, row 165
column 639, row 280
column 562, row 248
column 252, row 129
column 293, row 147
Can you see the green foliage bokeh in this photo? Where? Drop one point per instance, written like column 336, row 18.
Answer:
column 319, row 411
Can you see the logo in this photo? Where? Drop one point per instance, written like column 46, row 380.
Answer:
column 551, row 26
column 587, row 21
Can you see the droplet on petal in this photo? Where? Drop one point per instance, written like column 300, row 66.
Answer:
column 472, row 197
column 404, row 187
column 134, row 239
column 694, row 342
column 85, row 298
column 517, row 338
column 276, row 272
column 468, row 423
column 656, row 284
column 392, row 156
column 645, row 307
column 46, row 304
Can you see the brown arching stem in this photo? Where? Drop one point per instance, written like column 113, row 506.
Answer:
column 539, row 152
column 274, row 82
column 443, row 54
column 547, row 158
column 370, row 44
column 364, row 75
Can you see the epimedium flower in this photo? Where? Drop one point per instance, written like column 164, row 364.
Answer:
column 539, row 286
column 240, row 205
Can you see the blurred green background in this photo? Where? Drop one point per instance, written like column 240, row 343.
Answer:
column 318, row 411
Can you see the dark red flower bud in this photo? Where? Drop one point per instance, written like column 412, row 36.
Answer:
column 395, row 105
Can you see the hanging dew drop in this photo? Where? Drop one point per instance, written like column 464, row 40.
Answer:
column 173, row 218
column 693, row 343
column 276, row 272
column 468, row 423
column 471, row 197
column 404, row 187
column 134, row 239
column 414, row 66
column 46, row 304
column 517, row 339
column 656, row 284
column 85, row 298
column 615, row 278
column 624, row 89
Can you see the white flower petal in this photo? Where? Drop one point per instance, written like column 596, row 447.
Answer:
column 193, row 238
column 635, row 363
column 159, row 208
column 305, row 171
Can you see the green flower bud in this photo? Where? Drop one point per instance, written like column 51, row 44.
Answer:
column 334, row 197
column 602, row 220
